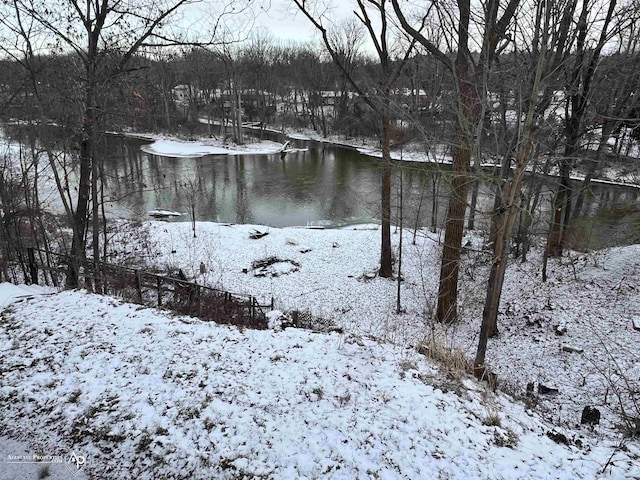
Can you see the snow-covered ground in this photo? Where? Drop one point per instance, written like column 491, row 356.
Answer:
column 589, row 304
column 138, row 393
column 21, row 459
column 144, row 394
column 592, row 296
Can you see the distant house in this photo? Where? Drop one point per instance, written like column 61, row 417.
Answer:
column 181, row 94
column 413, row 98
column 184, row 94
column 256, row 104
column 331, row 97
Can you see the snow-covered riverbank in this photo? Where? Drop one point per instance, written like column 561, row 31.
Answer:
column 145, row 394
column 412, row 152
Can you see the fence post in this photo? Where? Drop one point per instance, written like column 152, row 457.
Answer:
column 139, row 285
column 252, row 309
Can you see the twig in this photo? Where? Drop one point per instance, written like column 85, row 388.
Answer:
column 618, row 447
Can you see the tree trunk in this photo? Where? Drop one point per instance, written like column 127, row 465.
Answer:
column 504, row 221
column 398, row 299
column 477, row 170
column 435, row 182
column 80, row 220
column 87, row 147
column 498, row 201
column 193, row 218
column 385, row 250
column 417, row 223
column 447, row 310
column 95, row 222
column 166, row 99
column 555, row 239
column 238, row 120
column 475, row 184
column 591, row 170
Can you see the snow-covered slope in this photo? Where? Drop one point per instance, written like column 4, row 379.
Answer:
column 593, row 297
column 144, row 394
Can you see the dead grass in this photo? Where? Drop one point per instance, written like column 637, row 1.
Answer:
column 492, row 418
column 452, row 361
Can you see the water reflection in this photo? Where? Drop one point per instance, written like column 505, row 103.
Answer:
column 324, row 185
column 313, row 187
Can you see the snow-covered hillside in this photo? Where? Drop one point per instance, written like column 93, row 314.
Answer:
column 589, row 302
column 145, row 394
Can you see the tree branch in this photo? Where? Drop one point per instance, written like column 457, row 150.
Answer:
column 421, row 39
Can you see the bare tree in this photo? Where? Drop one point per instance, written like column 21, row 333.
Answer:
column 104, row 37
column 579, row 77
column 93, row 31
column 190, row 192
column 541, row 69
column 376, row 97
column 468, row 74
column 348, row 40
column 229, row 54
column 614, row 102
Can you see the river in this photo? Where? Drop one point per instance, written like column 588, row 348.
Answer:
column 324, row 186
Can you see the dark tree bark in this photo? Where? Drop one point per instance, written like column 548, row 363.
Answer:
column 467, row 115
column 385, row 250
column 447, row 310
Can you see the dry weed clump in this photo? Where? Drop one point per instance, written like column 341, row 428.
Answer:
column 451, row 360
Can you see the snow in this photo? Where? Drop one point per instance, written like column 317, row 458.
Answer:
column 173, row 395
column 145, row 394
column 413, row 152
column 299, row 136
column 163, row 213
column 175, row 148
column 590, row 294
column 10, row 293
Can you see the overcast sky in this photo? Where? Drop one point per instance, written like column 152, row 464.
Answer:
column 283, row 19
column 285, row 22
